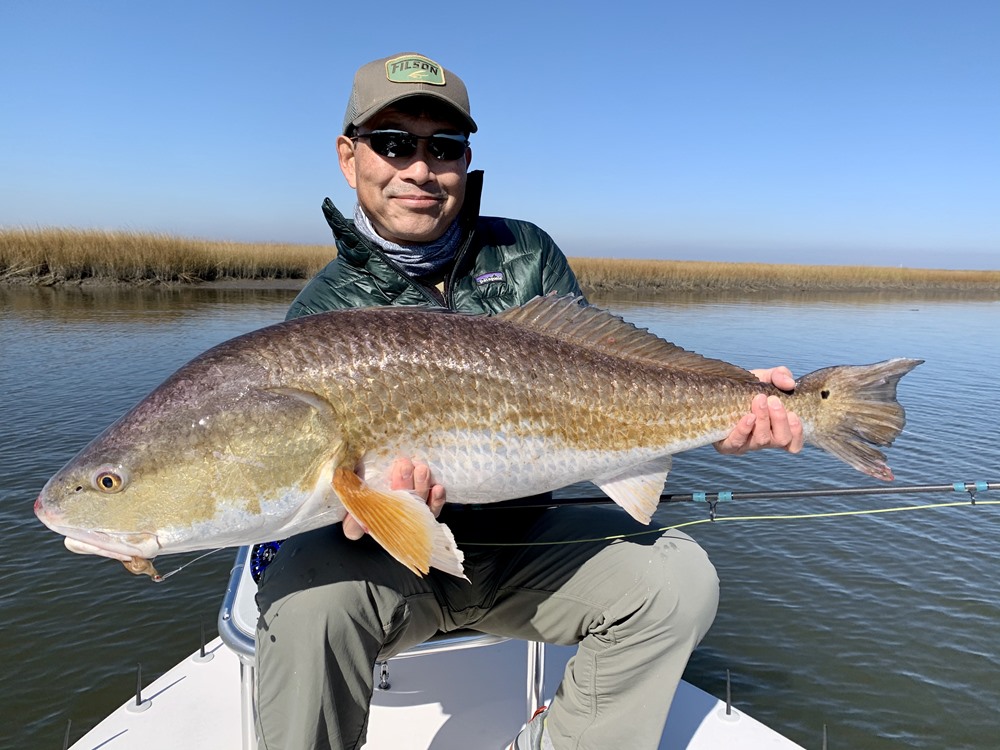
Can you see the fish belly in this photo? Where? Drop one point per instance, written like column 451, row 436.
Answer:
column 482, row 468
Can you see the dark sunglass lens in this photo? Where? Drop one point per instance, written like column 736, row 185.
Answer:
column 393, row 144
column 446, row 149
column 398, row 143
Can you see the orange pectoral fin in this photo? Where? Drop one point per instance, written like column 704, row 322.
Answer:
column 401, row 523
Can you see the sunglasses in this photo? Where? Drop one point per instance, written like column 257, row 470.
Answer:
column 401, row 144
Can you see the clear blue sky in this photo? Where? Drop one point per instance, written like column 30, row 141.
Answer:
column 856, row 131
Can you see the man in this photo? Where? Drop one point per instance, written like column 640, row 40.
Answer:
column 333, row 602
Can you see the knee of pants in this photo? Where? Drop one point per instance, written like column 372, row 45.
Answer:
column 331, row 612
column 320, row 575
column 680, row 588
column 324, row 589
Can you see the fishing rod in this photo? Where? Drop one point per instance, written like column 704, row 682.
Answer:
column 262, row 554
column 970, row 488
column 712, row 500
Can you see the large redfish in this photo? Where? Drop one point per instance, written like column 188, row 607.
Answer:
column 292, row 426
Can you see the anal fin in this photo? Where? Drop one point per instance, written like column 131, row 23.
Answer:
column 638, row 488
column 402, row 523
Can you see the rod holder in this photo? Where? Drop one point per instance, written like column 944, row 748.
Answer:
column 203, row 656
column 139, row 705
column 729, row 693
column 728, row 714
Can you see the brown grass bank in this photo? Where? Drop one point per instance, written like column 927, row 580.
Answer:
column 60, row 256
column 652, row 275
column 70, row 256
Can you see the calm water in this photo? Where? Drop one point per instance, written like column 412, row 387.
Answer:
column 884, row 628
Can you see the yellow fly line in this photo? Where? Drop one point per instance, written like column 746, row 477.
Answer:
column 719, row 519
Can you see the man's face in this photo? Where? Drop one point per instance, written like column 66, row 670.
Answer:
column 408, row 199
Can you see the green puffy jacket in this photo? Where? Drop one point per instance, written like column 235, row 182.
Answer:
column 501, row 263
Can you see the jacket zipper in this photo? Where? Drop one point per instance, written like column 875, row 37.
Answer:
column 399, row 271
column 449, row 297
column 449, row 288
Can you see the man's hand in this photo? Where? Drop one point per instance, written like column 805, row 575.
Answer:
column 405, row 475
column 768, row 425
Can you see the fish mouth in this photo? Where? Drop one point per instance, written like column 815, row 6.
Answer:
column 118, row 545
column 115, row 545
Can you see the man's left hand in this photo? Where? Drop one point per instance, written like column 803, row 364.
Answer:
column 768, row 425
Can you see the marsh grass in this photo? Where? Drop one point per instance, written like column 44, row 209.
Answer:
column 53, row 256
column 652, row 275
column 59, row 256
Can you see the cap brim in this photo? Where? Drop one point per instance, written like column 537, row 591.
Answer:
column 367, row 114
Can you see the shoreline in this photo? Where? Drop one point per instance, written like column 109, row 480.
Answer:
column 68, row 258
column 99, row 282
column 624, row 289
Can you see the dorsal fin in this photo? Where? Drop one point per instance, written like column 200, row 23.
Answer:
column 570, row 319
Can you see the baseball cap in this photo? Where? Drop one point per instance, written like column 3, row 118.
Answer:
column 383, row 82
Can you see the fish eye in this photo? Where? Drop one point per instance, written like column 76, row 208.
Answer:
column 108, row 481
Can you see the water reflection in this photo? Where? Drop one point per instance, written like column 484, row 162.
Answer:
column 82, row 304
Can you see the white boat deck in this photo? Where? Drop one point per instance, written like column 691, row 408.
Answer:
column 450, row 700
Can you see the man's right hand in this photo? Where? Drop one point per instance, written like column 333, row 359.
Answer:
column 405, row 475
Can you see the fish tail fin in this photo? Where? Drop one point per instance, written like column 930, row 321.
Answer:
column 858, row 411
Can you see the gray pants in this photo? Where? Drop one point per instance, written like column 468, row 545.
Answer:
column 330, row 608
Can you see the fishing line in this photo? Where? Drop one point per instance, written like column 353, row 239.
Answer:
column 261, row 555
column 713, row 498
column 161, row 578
